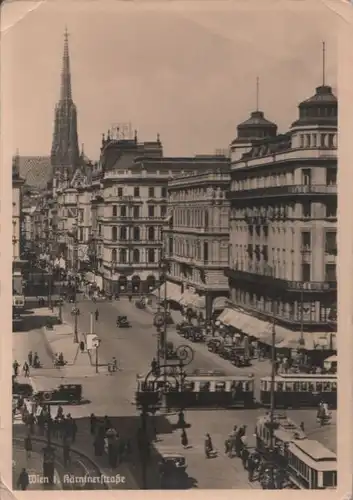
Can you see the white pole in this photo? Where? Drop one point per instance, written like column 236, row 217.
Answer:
column 91, row 323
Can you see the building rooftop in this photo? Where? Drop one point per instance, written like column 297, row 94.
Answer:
column 35, row 170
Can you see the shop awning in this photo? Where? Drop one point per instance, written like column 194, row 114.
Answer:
column 219, row 303
column 168, row 291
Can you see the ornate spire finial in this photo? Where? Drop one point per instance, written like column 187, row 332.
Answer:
column 158, row 137
column 66, row 75
column 323, row 62
column 135, row 136
column 257, row 92
column 108, row 135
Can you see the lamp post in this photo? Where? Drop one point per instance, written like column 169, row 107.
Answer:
column 149, row 400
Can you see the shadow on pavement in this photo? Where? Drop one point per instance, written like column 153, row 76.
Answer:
column 35, row 322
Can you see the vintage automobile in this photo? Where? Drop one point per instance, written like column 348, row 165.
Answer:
column 122, row 322
column 172, row 470
column 197, row 335
column 19, row 389
column 214, row 344
column 63, row 394
column 238, row 357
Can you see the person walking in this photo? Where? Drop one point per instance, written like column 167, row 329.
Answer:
column 30, row 358
column 15, row 367
column 28, row 446
column 184, row 439
column 208, row 446
column 93, row 423
column 23, row 480
column 96, row 315
column 25, row 369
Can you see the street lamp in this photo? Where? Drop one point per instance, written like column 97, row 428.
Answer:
column 149, row 400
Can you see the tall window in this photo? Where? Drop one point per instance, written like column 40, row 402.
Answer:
column 163, row 210
column 114, row 254
column 136, row 256
column 331, row 208
column 115, row 210
column 171, row 246
column 151, row 192
column 150, row 210
column 306, row 271
column 306, row 240
column 114, row 233
column 206, row 219
column 331, row 242
column 164, row 192
column 122, row 255
column 306, row 209
column 123, row 211
column 136, row 192
column 150, row 255
column 120, row 192
column 306, row 176
column 123, row 233
column 136, row 233
column 330, row 272
column 136, row 210
column 331, row 177
column 151, row 233
column 205, row 251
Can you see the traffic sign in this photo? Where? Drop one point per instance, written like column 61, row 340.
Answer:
column 93, row 341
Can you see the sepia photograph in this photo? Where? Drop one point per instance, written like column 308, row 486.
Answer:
column 174, row 244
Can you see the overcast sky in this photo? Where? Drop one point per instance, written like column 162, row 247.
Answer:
column 185, row 70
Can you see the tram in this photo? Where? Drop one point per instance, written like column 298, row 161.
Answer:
column 199, row 391
column 300, row 390
column 308, row 463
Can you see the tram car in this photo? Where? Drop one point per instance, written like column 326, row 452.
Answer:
column 309, row 464
column 300, row 390
column 198, row 390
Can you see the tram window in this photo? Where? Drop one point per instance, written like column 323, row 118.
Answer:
column 329, row 479
column 313, row 479
column 296, row 386
column 288, row 386
column 311, row 387
column 334, row 386
column 303, row 386
column 279, row 386
column 189, row 386
column 220, row 387
column 319, row 386
column 204, row 386
column 246, row 386
column 327, row 386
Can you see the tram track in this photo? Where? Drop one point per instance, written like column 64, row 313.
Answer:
column 80, row 474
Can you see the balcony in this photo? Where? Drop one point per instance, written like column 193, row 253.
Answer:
column 131, row 242
column 290, row 190
column 294, row 286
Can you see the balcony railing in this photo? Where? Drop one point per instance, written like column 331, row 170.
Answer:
column 305, row 286
column 282, row 191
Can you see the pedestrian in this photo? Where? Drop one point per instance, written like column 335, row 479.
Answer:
column 93, row 423
column 28, row 446
column 60, row 412
column 15, row 366
column 30, row 358
column 96, row 314
column 66, row 453
column 302, row 426
column 181, row 420
column 251, row 468
column 23, row 480
column 208, row 446
column 25, row 369
column 73, row 430
column 114, row 364
column 244, row 457
column 184, row 439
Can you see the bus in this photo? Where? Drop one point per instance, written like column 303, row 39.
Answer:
column 300, row 390
column 198, row 391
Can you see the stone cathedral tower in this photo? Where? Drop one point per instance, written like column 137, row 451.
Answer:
column 65, row 155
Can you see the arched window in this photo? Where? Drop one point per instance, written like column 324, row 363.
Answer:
column 150, row 255
column 114, row 233
column 123, row 233
column 122, row 256
column 114, row 255
column 151, row 233
column 136, row 233
column 136, row 256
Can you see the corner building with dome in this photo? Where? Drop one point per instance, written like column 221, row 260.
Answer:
column 283, row 227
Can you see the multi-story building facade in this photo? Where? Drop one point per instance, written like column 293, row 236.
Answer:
column 17, row 240
column 196, row 237
column 283, row 221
